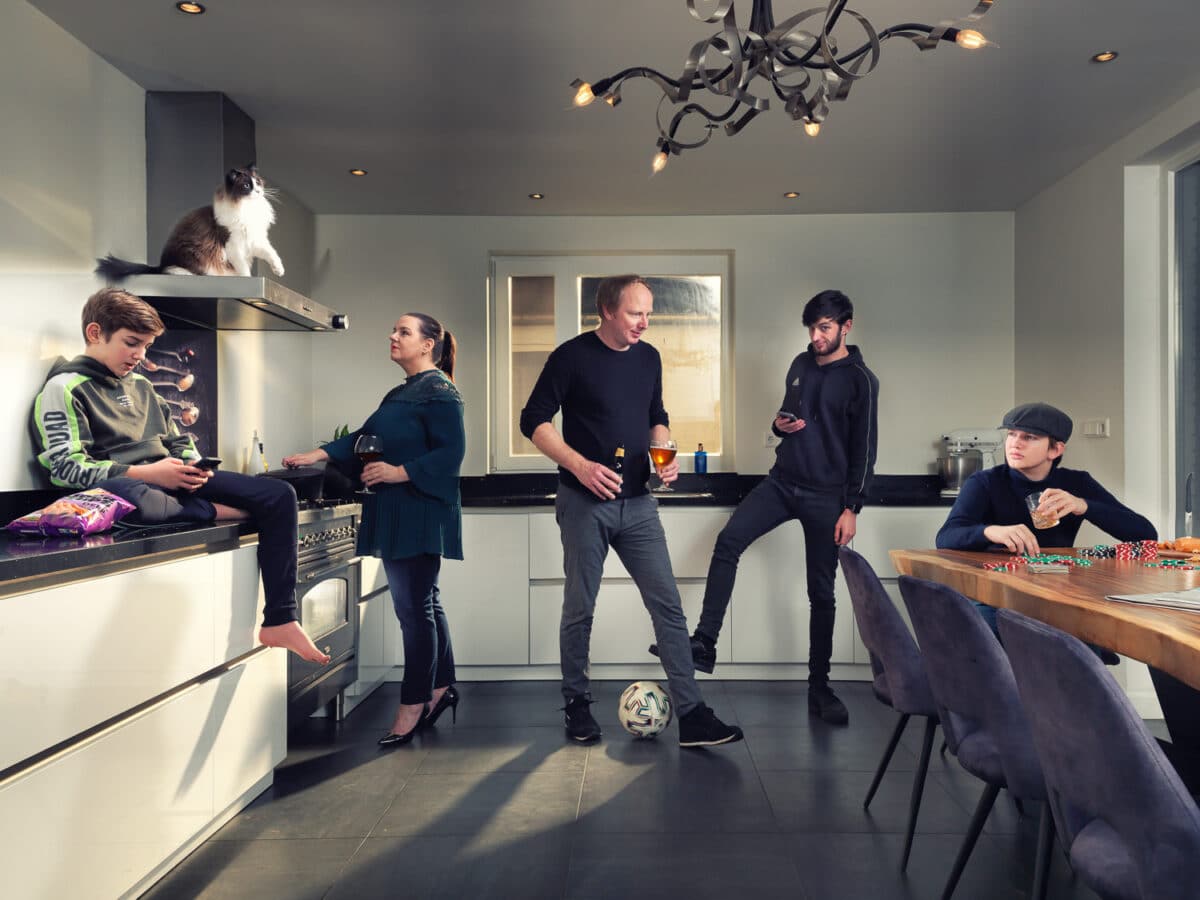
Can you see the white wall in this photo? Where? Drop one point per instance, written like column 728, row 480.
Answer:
column 72, row 187
column 1073, row 300
column 932, row 293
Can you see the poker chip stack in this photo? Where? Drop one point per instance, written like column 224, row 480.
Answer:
column 1100, row 551
column 1127, row 550
column 1147, row 549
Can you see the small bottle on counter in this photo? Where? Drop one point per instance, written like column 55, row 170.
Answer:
column 700, row 461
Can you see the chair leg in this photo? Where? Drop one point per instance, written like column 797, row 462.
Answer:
column 918, row 788
column 964, row 852
column 1045, row 845
column 887, row 757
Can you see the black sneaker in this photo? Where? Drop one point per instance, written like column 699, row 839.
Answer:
column 581, row 725
column 824, row 703
column 702, row 728
column 704, row 654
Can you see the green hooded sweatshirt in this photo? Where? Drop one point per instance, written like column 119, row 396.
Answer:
column 89, row 425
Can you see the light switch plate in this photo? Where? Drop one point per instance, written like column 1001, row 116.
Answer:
column 772, row 440
column 1097, row 428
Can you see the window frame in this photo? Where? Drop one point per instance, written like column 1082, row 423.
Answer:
column 567, row 269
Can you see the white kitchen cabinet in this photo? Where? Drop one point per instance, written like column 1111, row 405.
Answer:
column 621, row 628
column 485, row 596
column 235, row 628
column 881, row 529
column 97, row 820
column 80, row 653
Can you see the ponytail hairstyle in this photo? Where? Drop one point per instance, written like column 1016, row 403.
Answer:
column 445, row 348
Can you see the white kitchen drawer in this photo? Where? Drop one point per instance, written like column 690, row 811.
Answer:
column 883, row 528
column 238, row 602
column 621, row 629
column 99, row 819
column 81, row 653
column 486, row 596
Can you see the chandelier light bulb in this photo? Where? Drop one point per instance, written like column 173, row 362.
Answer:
column 742, row 70
column 969, row 39
column 584, row 95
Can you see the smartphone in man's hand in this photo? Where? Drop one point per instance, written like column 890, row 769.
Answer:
column 209, row 463
column 786, row 416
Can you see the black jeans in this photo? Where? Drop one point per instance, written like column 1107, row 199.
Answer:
column 765, row 508
column 428, row 655
column 270, row 502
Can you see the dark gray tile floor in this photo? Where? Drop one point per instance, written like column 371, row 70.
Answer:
column 499, row 805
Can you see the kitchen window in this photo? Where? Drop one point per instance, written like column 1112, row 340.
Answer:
column 538, row 302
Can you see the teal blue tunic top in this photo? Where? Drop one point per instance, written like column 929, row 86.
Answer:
column 421, row 425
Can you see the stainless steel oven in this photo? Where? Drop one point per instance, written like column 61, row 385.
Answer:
column 328, row 586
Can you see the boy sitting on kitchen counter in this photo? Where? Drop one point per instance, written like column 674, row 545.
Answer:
column 98, row 423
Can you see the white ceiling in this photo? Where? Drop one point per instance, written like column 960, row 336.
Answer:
column 463, row 106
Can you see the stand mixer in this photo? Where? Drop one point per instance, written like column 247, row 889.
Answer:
column 967, row 451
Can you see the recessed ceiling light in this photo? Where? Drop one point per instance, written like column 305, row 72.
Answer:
column 1105, row 56
column 791, row 195
column 537, row 196
column 192, row 9
column 358, row 172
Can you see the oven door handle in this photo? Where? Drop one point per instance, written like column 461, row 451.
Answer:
column 321, row 573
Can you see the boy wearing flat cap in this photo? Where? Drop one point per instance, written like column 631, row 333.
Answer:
column 990, row 512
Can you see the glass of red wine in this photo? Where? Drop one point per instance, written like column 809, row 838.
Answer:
column 368, row 448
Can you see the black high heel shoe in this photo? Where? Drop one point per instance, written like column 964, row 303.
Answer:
column 449, row 700
column 397, row 740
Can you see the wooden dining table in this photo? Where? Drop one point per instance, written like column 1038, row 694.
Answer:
column 1166, row 639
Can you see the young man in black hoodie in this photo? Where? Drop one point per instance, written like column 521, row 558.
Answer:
column 828, row 426
column 97, row 423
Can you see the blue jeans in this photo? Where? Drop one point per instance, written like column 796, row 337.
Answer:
column 765, row 508
column 588, row 526
column 428, row 655
column 271, row 504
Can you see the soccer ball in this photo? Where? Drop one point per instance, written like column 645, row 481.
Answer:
column 644, row 709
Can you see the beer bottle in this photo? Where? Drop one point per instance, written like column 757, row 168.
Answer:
column 618, row 464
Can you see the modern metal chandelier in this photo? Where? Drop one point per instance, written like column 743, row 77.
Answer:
column 805, row 70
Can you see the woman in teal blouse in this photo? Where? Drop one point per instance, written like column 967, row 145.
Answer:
column 413, row 518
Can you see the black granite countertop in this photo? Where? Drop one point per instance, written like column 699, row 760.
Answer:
column 25, row 557
column 717, row 489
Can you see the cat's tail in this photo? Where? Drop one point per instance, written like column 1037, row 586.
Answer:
column 115, row 270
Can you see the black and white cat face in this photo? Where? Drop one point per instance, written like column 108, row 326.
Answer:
column 243, row 182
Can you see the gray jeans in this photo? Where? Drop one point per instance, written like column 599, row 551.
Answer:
column 588, row 527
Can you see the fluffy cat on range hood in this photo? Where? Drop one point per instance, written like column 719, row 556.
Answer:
column 222, row 239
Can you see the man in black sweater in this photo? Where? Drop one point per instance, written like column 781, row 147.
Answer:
column 608, row 383
column 827, row 423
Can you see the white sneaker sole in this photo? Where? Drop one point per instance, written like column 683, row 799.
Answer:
column 733, row 738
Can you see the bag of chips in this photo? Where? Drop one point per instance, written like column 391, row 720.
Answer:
column 86, row 512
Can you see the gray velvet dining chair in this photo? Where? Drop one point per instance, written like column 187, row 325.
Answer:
column 980, row 710
column 897, row 675
column 1128, row 823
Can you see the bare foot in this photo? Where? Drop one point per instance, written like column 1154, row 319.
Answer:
column 407, row 717
column 290, row 636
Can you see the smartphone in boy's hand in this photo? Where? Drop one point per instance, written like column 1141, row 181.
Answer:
column 208, row 463
column 786, row 416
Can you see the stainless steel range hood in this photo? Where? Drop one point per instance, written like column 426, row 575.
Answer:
column 232, row 303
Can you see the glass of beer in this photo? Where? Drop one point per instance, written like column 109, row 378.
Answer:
column 1040, row 520
column 368, row 448
column 661, row 454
